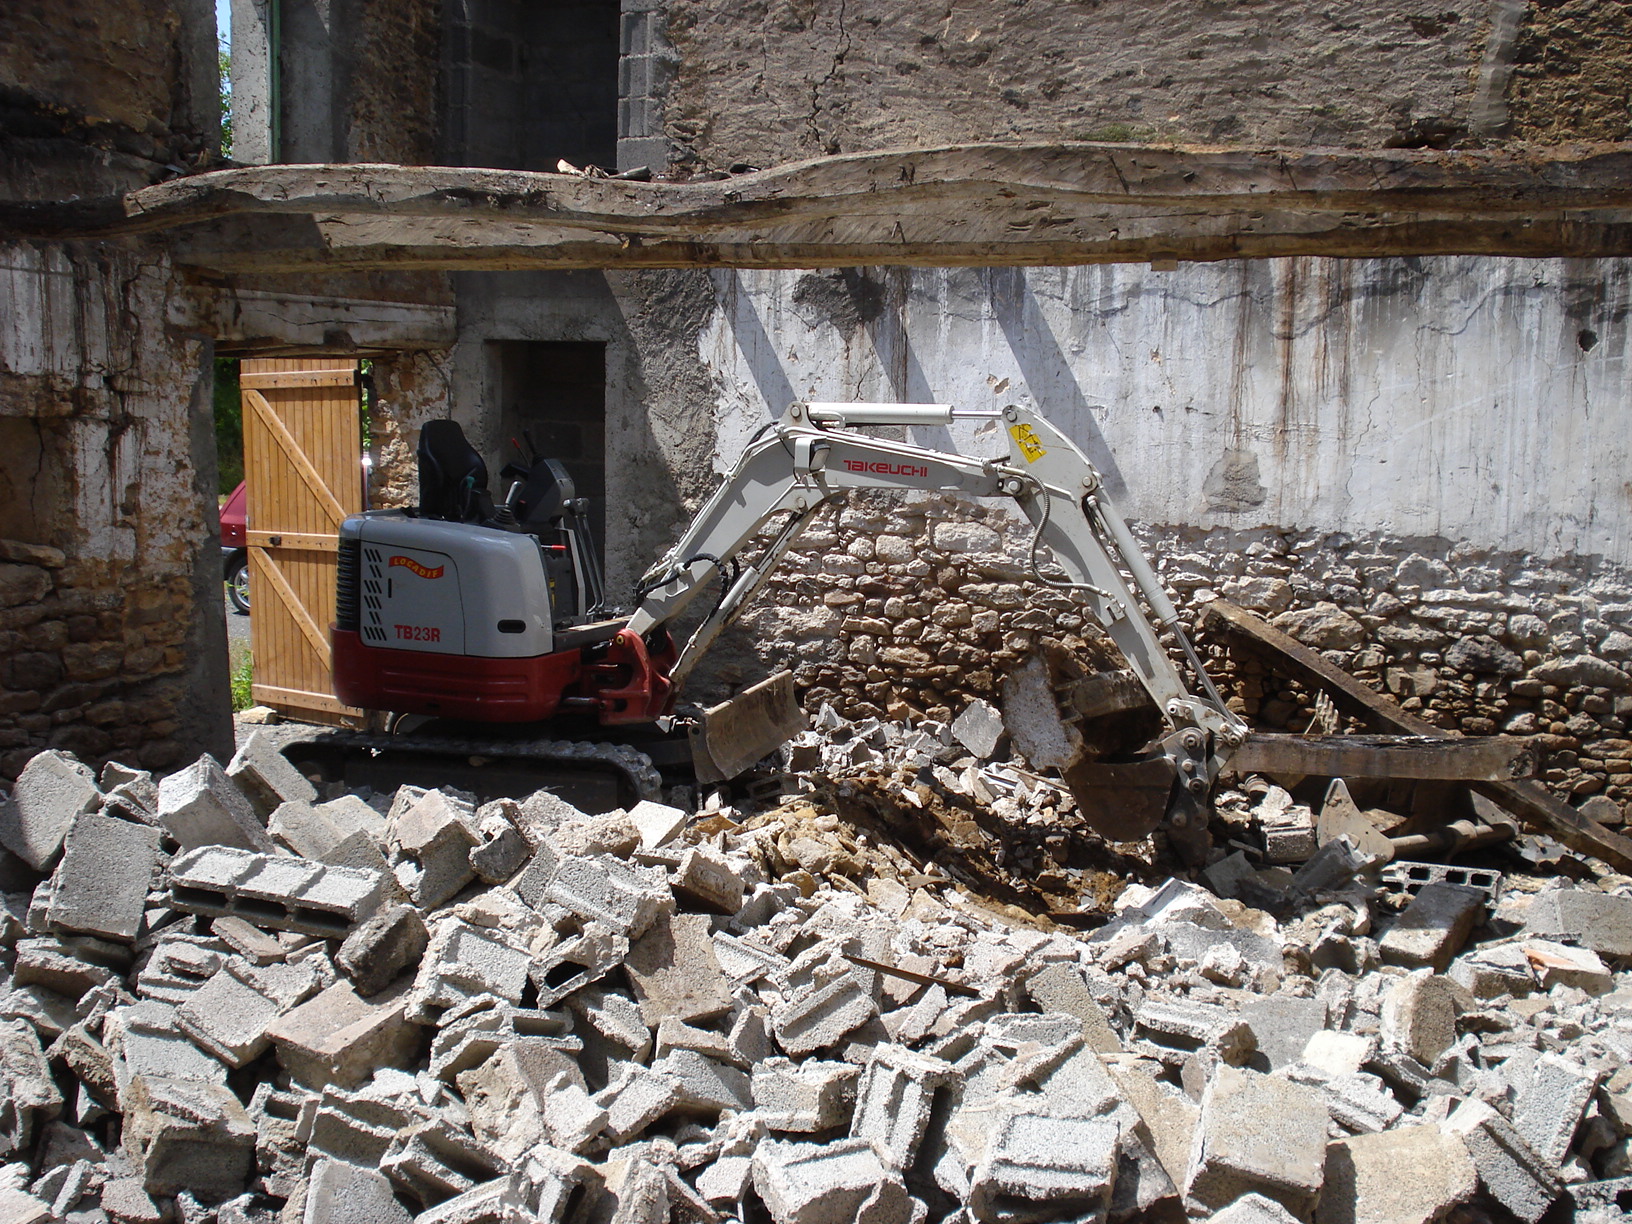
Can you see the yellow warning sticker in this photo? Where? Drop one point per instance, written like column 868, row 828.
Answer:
column 1030, row 447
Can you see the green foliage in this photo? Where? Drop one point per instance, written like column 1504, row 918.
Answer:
column 229, row 424
column 223, row 63
column 243, row 675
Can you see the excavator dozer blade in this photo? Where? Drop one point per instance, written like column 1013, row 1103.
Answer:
column 731, row 736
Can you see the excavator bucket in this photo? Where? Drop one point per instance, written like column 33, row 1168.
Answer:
column 731, row 736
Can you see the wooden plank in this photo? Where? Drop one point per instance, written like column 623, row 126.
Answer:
column 271, row 694
column 305, row 541
column 297, row 456
column 1531, row 802
column 315, row 636
column 1487, row 758
column 299, row 378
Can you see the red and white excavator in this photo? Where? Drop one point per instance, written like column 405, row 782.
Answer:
column 481, row 612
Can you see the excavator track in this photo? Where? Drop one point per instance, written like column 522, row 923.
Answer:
column 595, row 777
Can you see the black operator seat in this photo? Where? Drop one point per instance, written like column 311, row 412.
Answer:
column 452, row 476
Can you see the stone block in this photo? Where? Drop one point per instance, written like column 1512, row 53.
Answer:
column 1509, row 1168
column 49, row 794
column 707, row 881
column 674, row 970
column 376, row 953
column 894, row 1101
column 1588, row 919
column 188, row 1135
column 658, row 823
column 802, row 1098
column 1419, row 1016
column 610, row 891
column 338, row 1037
column 822, row 1014
column 286, row 894
column 835, row 1183
column 1257, row 1133
column 430, row 844
column 266, row 777
column 1433, row 928
column 101, row 884
column 1069, row 1164
column 1551, row 1105
column 228, row 1017
column 200, row 806
column 341, row 1193
column 1412, row 1175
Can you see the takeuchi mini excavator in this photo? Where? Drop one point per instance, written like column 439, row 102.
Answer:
column 491, row 612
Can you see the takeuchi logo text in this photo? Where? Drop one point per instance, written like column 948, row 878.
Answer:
column 424, row 571
column 885, row 469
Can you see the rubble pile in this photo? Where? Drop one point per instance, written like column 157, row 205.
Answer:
column 228, row 999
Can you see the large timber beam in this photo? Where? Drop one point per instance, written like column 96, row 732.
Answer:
column 963, row 205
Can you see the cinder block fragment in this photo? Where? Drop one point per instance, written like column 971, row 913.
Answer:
column 802, row 1098
column 341, row 1193
column 56, row 965
column 895, row 1099
column 637, row 1097
column 1419, row 1016
column 378, row 951
column 20, row 1207
column 549, row 1183
column 1509, row 1168
column 358, row 1127
column 474, row 1035
column 30, row 1094
column 574, row 963
column 822, row 1014
column 1254, row 1209
column 302, row 829
column 1338, row 1053
column 435, row 1160
column 228, row 1017
column 188, row 1135
column 463, row 961
column 1185, row 1026
column 431, row 843
column 1068, row 1163
column 101, row 885
column 250, row 942
column 1061, row 988
column 1257, row 1133
column 283, row 893
column 1412, row 1175
column 810, row 1183
column 144, row 1040
column 200, row 806
column 705, row 1086
column 723, row 1182
column 266, row 777
column 341, row 1038
column 1358, row 1102
column 659, row 824
column 707, row 881
column 1551, row 1105
column 1595, row 920
column 51, row 791
column 483, row 1204
column 1557, row 964
column 126, row 1200
column 1282, row 1025
column 1433, row 928
column 610, row 891
column 674, row 970
column 503, row 850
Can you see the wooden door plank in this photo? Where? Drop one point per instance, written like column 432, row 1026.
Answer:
column 299, row 541
column 296, row 609
column 1530, row 801
column 297, row 456
column 299, row 378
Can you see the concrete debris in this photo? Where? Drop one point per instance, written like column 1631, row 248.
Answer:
column 522, row 1012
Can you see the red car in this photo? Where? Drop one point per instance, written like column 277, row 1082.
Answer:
column 235, row 550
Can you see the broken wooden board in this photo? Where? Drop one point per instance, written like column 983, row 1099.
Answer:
column 1489, row 758
column 1531, row 802
column 970, row 205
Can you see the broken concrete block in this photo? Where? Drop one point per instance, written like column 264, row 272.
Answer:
column 1557, row 964
column 705, row 1086
column 435, row 1160
column 200, row 806
column 610, row 891
column 49, row 794
column 341, row 1193
column 1551, row 1105
column 143, row 1039
column 636, row 1097
column 1433, row 928
column 503, row 850
column 802, row 1098
column 1185, row 1026
column 1419, row 1016
column 1595, row 920
column 1168, row 1114
column 1408, row 1176
column 228, row 1017
column 658, row 823
column 1068, row 1163
column 20, row 1207
column 303, row 829
column 486, row 1025
column 1282, row 1025
column 724, row 1181
column 126, row 1200
column 1356, row 1101
column 1257, row 1133
column 431, row 844
column 378, row 951
column 1338, row 1053
column 1061, row 988
column 894, row 1101
column 810, row 1183
column 30, row 1097
column 266, row 777
column 1254, row 1209
column 461, row 962
column 1509, row 1168
column 574, row 963
column 706, row 881
column 250, row 942
column 101, row 885
column 674, row 970
column 286, row 894
column 340, row 1038
column 1487, row 973
column 822, row 1015
column 188, row 1135
column 66, row 969
column 979, row 728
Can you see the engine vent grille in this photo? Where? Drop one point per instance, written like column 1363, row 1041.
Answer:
column 373, row 601
column 345, row 592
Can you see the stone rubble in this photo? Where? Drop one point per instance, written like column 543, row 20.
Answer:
column 526, row 1013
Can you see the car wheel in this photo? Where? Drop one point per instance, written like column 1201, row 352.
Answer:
column 238, row 585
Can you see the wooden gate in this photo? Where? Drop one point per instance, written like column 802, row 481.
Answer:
column 303, row 468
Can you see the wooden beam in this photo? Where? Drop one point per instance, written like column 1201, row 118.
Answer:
column 991, row 204
column 1531, row 802
column 1493, row 758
